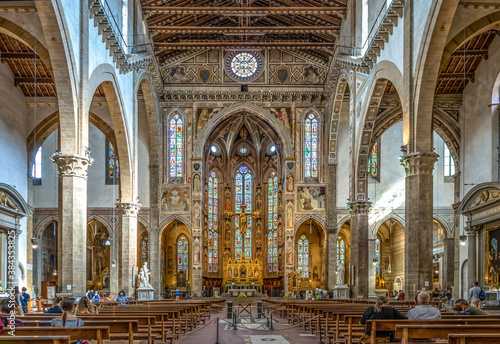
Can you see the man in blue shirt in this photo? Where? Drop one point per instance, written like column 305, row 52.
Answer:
column 23, row 299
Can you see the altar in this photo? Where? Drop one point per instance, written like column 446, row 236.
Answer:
column 238, row 292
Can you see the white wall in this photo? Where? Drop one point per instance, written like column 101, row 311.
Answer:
column 46, row 194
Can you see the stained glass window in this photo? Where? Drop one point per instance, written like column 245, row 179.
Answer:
column 175, row 145
column 272, row 222
column 303, row 257
column 145, row 249
column 340, row 250
column 311, row 147
column 213, row 223
column 244, row 65
column 112, row 168
column 182, row 254
column 377, row 256
column 243, row 195
column 373, row 161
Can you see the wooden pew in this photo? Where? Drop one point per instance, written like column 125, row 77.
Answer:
column 97, row 333
column 476, row 338
column 35, row 339
column 405, row 332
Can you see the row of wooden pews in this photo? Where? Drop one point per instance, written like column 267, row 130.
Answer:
column 145, row 321
column 338, row 322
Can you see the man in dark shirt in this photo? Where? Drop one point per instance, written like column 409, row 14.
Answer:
column 470, row 309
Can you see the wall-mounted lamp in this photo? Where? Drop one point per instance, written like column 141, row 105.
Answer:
column 107, row 242
column 403, row 149
column 113, row 263
column 463, row 239
column 55, row 272
column 374, row 262
column 34, row 243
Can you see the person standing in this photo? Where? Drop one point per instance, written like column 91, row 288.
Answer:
column 474, row 295
column 177, row 294
column 23, row 299
column 91, row 295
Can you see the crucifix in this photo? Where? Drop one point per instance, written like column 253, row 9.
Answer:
column 243, row 217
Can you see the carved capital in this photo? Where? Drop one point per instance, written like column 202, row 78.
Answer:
column 359, row 207
column 419, row 163
column 129, row 209
column 70, row 165
column 472, row 230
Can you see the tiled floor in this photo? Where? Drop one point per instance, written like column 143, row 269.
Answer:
column 250, row 332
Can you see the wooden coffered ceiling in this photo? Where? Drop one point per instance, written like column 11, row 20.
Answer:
column 180, row 25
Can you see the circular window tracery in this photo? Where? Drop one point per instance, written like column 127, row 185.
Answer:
column 244, row 65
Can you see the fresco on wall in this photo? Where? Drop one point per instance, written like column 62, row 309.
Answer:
column 178, row 74
column 311, row 198
column 204, row 114
column 175, row 199
column 283, row 115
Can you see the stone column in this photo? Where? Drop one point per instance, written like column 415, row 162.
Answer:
column 332, row 228
column 17, row 277
column 127, row 245
column 154, row 230
column 371, row 269
column 455, row 283
column 154, row 260
column 418, row 221
column 449, row 263
column 114, row 256
column 471, row 255
column 72, row 221
column 359, row 248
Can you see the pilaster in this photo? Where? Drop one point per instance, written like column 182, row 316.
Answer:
column 128, row 245
column 419, row 220
column 359, row 248
column 154, row 260
column 332, row 227
column 371, row 269
column 472, row 254
column 72, row 221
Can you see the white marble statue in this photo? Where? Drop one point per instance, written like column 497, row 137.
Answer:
column 141, row 278
column 340, row 274
column 146, row 274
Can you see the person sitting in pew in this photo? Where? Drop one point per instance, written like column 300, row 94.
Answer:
column 57, row 306
column 67, row 319
column 121, row 298
column 381, row 310
column 424, row 311
column 470, row 309
column 459, row 311
column 8, row 314
column 85, row 307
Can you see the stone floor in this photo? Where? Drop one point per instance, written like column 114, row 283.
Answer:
column 249, row 331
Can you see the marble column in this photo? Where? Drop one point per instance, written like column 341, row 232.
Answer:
column 471, row 255
column 359, row 248
column 332, row 228
column 418, row 221
column 72, row 221
column 127, row 245
column 371, row 269
column 449, row 263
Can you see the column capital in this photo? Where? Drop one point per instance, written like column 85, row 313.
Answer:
column 153, row 232
column 359, row 207
column 472, row 230
column 129, row 208
column 71, row 165
column 419, row 163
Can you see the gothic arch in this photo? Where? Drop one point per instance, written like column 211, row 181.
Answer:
column 165, row 222
column 316, row 218
column 435, row 33
column 154, row 123
column 446, row 225
column 204, row 133
column 40, row 226
column 338, row 100
column 391, row 216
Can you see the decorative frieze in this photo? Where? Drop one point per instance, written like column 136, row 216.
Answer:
column 129, row 208
column 419, row 163
column 70, row 165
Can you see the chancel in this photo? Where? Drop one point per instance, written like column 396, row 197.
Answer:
column 165, row 154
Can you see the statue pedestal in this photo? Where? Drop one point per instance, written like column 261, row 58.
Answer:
column 145, row 293
column 341, row 292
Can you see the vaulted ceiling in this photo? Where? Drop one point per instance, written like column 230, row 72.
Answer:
column 307, row 25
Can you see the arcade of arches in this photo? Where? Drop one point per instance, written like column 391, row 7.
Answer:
column 226, row 154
